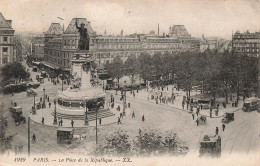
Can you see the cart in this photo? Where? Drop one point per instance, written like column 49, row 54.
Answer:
column 228, row 117
column 210, row 146
column 65, row 135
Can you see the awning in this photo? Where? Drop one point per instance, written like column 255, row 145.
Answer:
column 52, row 66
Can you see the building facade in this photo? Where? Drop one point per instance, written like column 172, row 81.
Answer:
column 7, row 50
column 246, row 43
column 60, row 46
column 37, row 48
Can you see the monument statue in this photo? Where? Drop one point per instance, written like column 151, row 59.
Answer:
column 84, row 37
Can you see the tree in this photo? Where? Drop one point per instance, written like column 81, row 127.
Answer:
column 146, row 66
column 115, row 68
column 115, row 145
column 14, row 71
column 131, row 67
column 5, row 141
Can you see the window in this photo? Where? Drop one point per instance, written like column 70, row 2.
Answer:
column 5, row 39
column 5, row 50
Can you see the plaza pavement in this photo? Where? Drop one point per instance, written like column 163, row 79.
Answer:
column 177, row 104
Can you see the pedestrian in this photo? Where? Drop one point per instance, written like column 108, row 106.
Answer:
column 197, row 112
column 128, row 105
column 118, row 120
column 33, row 138
column 143, row 118
column 100, row 121
column 201, row 107
column 223, row 126
column 72, row 123
column 42, row 120
column 183, row 105
column 192, row 116
column 133, row 114
column 216, row 130
column 197, row 121
column 49, row 105
column 61, row 121
column 48, row 99
column 121, row 115
column 140, row 131
column 40, row 99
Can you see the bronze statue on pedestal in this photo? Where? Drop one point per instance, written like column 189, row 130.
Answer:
column 84, row 36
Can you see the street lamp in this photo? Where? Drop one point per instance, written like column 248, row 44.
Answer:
column 97, row 108
column 86, row 115
column 124, row 101
column 55, row 116
column 62, row 83
column 33, row 109
column 43, row 105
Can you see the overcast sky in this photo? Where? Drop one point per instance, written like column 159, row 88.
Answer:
column 211, row 17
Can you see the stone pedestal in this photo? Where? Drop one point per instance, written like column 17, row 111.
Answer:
column 81, row 68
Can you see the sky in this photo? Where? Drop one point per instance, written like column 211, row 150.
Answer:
column 211, row 17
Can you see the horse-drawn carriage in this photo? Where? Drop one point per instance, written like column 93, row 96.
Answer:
column 17, row 115
column 65, row 135
column 228, row 117
column 210, row 146
column 201, row 120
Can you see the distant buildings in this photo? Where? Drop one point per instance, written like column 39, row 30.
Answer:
column 246, row 43
column 37, row 48
column 208, row 43
column 60, row 45
column 7, row 46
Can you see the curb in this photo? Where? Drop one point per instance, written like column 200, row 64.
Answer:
column 87, row 126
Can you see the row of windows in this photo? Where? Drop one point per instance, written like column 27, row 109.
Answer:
column 121, row 46
column 246, row 45
column 247, row 50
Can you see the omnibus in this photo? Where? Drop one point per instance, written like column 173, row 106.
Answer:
column 251, row 104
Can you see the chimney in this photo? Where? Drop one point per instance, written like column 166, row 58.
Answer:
column 158, row 29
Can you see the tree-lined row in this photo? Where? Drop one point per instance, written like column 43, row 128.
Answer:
column 213, row 72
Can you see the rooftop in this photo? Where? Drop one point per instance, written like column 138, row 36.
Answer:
column 71, row 29
column 55, row 29
column 5, row 24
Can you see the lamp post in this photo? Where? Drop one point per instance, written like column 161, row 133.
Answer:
column 96, row 125
column 86, row 115
column 62, row 82
column 43, row 105
column 55, row 116
column 124, row 100
column 97, row 107
column 33, row 109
